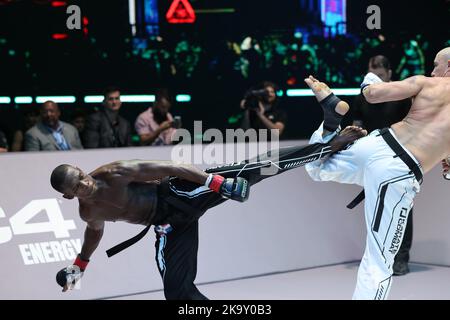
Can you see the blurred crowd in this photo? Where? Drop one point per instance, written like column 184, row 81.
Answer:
column 284, row 57
column 188, row 61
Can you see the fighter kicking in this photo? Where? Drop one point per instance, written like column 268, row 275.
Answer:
column 389, row 163
column 172, row 197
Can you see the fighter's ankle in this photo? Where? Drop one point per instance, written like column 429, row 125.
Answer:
column 342, row 108
column 332, row 119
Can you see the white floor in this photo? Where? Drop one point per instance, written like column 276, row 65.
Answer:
column 424, row 282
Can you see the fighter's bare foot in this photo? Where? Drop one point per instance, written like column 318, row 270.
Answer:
column 347, row 136
column 321, row 91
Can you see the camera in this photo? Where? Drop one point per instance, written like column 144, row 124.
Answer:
column 253, row 97
column 176, row 123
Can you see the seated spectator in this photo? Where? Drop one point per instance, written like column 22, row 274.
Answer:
column 78, row 120
column 3, row 142
column 50, row 133
column 155, row 126
column 30, row 118
column 106, row 128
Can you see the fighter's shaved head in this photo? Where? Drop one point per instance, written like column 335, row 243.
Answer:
column 58, row 177
column 442, row 63
column 445, row 53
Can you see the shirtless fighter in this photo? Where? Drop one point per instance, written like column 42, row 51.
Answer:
column 389, row 163
column 172, row 197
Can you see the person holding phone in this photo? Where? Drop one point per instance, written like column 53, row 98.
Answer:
column 156, row 126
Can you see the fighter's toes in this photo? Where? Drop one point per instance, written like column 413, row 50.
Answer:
column 353, row 131
column 347, row 136
column 320, row 89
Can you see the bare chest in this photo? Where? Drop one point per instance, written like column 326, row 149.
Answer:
column 132, row 203
column 102, row 210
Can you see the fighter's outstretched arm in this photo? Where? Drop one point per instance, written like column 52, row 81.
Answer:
column 68, row 277
column 92, row 236
column 393, row 91
column 142, row 170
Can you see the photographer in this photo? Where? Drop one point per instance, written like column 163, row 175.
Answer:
column 261, row 109
column 156, row 126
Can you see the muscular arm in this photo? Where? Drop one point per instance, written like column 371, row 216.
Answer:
column 141, row 171
column 92, row 236
column 393, row 91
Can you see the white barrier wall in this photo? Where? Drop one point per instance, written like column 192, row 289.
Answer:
column 290, row 222
column 431, row 220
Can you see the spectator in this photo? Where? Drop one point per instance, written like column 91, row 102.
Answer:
column 264, row 114
column 156, row 126
column 3, row 143
column 78, row 120
column 30, row 118
column 378, row 116
column 106, row 128
column 50, row 133
column 413, row 61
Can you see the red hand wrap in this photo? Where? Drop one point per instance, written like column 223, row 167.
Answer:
column 82, row 264
column 216, row 183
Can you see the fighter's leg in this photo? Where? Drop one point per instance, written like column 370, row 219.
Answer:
column 176, row 258
column 334, row 109
column 278, row 161
column 275, row 162
column 389, row 189
column 292, row 157
column 344, row 166
column 402, row 257
column 254, row 170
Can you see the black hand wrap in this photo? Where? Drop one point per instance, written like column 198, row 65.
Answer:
column 332, row 119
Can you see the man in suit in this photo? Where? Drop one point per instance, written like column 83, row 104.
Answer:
column 50, row 133
column 106, row 128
